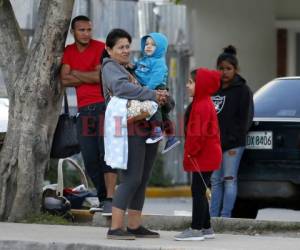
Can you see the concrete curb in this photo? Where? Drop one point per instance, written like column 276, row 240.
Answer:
column 253, row 227
column 220, row 225
column 151, row 192
column 167, row 192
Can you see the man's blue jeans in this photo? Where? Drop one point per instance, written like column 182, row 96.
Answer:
column 224, row 183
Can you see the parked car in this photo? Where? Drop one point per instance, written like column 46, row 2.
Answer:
column 3, row 118
column 269, row 174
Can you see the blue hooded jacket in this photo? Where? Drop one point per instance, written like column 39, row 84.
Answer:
column 152, row 71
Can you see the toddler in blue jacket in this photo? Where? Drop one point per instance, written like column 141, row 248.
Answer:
column 151, row 71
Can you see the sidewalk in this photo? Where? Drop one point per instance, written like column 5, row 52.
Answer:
column 15, row 236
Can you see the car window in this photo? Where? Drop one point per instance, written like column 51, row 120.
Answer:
column 278, row 98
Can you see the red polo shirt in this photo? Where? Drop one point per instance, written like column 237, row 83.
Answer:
column 87, row 60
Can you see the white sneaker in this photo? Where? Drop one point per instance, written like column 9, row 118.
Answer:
column 156, row 136
column 97, row 209
column 190, row 234
column 208, row 233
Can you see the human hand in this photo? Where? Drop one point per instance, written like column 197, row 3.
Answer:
column 73, row 72
column 129, row 66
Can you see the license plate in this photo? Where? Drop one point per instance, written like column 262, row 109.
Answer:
column 259, row 140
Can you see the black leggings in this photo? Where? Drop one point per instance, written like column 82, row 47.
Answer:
column 133, row 181
column 200, row 216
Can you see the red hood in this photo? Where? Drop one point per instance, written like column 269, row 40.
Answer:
column 207, row 83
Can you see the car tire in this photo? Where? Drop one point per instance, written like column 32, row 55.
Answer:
column 244, row 209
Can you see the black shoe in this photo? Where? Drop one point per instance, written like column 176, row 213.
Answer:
column 142, row 232
column 119, row 234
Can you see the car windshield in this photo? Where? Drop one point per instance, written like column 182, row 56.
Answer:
column 278, row 98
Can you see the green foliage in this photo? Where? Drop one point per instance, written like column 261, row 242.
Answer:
column 46, row 218
column 176, row 1
column 158, row 177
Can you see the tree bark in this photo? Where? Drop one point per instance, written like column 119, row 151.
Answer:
column 35, row 103
column 12, row 47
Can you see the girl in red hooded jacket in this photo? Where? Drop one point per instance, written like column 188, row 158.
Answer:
column 202, row 149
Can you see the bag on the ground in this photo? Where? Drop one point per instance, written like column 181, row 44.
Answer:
column 53, row 204
column 59, row 200
column 65, row 141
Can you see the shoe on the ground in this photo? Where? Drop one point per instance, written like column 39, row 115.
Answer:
column 171, row 143
column 119, row 234
column 99, row 208
column 208, row 233
column 107, row 207
column 190, row 234
column 156, row 136
column 142, row 232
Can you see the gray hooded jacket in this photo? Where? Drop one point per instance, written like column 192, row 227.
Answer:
column 115, row 80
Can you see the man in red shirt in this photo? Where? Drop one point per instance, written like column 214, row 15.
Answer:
column 80, row 69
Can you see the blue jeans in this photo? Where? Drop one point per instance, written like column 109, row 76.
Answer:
column 224, row 183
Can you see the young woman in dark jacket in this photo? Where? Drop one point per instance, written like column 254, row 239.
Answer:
column 234, row 106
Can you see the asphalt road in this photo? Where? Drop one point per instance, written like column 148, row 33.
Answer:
column 183, row 206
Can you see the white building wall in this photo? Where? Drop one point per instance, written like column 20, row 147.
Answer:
column 287, row 9
column 248, row 25
column 25, row 12
column 288, row 17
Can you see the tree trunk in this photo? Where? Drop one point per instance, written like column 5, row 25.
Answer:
column 12, row 47
column 35, row 103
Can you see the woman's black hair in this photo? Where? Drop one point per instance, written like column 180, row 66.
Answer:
column 187, row 114
column 193, row 74
column 188, row 110
column 112, row 38
column 228, row 55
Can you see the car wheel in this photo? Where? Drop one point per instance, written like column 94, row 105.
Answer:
column 244, row 209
